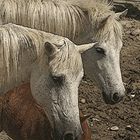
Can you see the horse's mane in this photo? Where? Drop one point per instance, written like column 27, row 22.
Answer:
column 20, row 47
column 14, row 42
column 99, row 11
column 57, row 17
column 90, row 3
column 70, row 18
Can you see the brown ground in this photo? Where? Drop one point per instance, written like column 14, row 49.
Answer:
column 125, row 115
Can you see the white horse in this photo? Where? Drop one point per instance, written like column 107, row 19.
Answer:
column 81, row 21
column 54, row 67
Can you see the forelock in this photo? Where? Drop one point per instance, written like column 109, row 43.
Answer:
column 109, row 30
column 68, row 59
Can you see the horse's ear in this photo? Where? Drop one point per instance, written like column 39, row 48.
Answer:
column 105, row 20
column 50, row 48
column 121, row 14
column 110, row 2
column 83, row 48
column 85, row 12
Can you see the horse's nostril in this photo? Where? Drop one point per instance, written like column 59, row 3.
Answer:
column 68, row 136
column 116, row 97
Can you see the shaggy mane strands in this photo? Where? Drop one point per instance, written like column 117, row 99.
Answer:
column 73, row 18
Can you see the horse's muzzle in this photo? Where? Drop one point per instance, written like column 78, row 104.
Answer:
column 112, row 98
column 68, row 136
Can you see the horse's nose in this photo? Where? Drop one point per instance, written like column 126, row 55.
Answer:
column 68, row 136
column 116, row 97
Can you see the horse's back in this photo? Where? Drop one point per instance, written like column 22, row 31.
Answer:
column 22, row 118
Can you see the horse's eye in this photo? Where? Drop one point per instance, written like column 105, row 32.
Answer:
column 58, row 79
column 100, row 50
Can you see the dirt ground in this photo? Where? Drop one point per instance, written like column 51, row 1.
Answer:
column 125, row 116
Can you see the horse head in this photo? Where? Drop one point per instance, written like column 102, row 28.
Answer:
column 55, row 86
column 102, row 62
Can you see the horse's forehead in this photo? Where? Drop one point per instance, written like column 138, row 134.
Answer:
column 67, row 62
column 116, row 43
column 57, row 40
column 111, row 41
column 61, row 41
column 111, row 34
column 111, row 45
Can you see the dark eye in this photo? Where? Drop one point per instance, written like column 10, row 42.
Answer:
column 58, row 79
column 100, row 50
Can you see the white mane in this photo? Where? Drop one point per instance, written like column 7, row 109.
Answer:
column 51, row 16
column 71, row 18
column 20, row 47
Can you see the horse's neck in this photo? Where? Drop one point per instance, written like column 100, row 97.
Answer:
column 77, row 32
column 15, row 79
column 13, row 82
